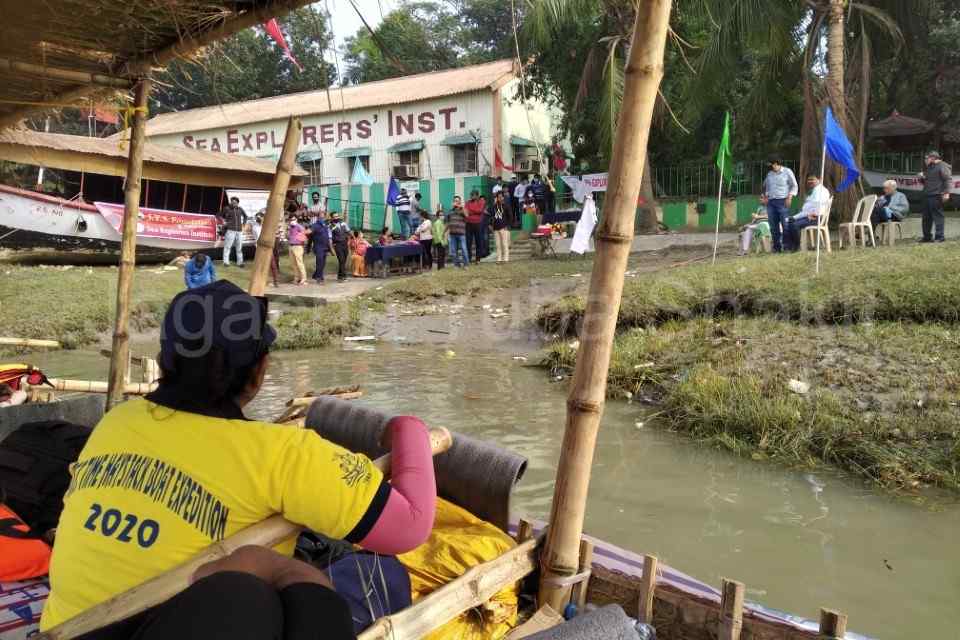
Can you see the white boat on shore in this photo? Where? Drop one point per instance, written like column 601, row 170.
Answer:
column 30, row 220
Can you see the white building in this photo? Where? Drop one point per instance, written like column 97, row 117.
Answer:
column 438, row 133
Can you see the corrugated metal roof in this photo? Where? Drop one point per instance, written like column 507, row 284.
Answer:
column 182, row 165
column 371, row 94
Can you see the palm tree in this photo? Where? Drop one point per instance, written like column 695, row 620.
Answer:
column 605, row 26
column 790, row 36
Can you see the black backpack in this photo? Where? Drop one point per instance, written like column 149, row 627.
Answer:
column 34, row 469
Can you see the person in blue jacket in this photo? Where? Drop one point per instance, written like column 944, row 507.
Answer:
column 198, row 272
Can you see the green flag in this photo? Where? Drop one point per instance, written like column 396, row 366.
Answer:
column 724, row 156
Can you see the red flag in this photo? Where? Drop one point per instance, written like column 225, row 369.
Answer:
column 498, row 161
column 274, row 30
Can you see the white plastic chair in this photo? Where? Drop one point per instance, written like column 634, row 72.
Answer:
column 809, row 233
column 887, row 231
column 861, row 221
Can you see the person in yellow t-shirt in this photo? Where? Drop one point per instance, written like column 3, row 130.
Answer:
column 163, row 477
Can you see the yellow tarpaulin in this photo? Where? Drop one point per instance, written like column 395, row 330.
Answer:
column 460, row 541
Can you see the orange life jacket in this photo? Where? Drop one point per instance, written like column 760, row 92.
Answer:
column 22, row 554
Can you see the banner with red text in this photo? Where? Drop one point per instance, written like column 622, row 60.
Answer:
column 905, row 181
column 159, row 223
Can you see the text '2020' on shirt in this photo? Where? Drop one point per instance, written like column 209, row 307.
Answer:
column 154, row 486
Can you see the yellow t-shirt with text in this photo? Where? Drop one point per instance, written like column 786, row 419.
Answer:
column 154, row 486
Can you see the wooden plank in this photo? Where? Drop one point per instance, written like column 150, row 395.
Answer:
column 833, row 624
column 472, row 589
column 731, row 610
column 119, row 358
column 648, row 587
column 268, row 533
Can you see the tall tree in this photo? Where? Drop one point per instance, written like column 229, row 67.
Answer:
column 417, row 37
column 579, row 49
column 250, row 65
column 793, row 39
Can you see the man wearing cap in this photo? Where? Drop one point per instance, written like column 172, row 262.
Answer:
column 779, row 188
column 234, row 217
column 937, row 182
column 340, row 239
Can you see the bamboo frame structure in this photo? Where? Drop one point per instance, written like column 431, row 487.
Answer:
column 183, row 47
column 614, row 237
column 281, row 182
column 268, row 533
column 128, row 247
column 473, row 588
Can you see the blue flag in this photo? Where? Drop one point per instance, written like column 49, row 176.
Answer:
column 840, row 150
column 393, row 191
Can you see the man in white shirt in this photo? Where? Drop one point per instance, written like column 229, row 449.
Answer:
column 813, row 207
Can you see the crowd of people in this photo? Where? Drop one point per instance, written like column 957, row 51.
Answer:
column 466, row 231
column 784, row 229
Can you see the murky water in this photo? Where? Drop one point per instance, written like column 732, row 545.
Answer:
column 799, row 540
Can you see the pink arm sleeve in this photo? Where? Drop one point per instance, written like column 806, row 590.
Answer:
column 407, row 518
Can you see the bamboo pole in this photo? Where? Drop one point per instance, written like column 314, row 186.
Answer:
column 128, row 247
column 614, row 237
column 648, row 588
column 97, row 386
column 267, row 533
column 281, row 181
column 29, row 342
column 67, row 75
column 731, row 610
column 472, row 589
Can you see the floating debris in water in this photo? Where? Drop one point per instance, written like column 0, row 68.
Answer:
column 798, row 386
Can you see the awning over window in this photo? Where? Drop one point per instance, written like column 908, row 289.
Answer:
column 412, row 145
column 310, row 156
column 517, row 141
column 354, row 152
column 463, row 138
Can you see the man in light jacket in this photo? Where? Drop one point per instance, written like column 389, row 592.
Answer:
column 779, row 188
column 892, row 206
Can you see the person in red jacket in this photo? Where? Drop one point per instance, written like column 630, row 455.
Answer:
column 476, row 209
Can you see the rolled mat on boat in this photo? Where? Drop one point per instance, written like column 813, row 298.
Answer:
column 609, row 623
column 85, row 410
column 476, row 475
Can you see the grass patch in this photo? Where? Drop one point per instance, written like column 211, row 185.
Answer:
column 318, row 326
column 476, row 280
column 76, row 305
column 908, row 283
column 870, row 410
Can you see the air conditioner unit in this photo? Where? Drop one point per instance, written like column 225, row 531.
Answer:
column 528, row 166
column 406, row 171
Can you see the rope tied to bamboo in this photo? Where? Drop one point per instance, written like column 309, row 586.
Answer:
column 126, row 115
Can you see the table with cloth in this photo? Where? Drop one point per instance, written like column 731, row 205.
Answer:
column 384, row 254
